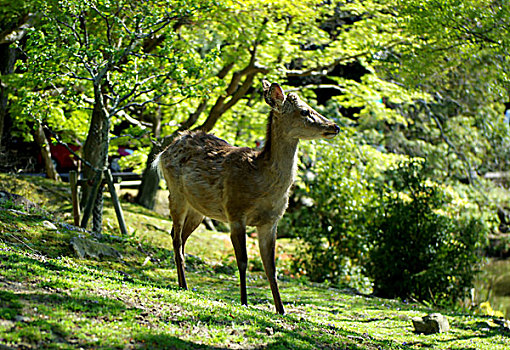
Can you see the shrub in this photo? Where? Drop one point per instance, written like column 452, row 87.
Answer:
column 420, row 247
column 326, row 213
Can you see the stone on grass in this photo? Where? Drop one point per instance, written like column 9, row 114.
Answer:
column 430, row 324
column 88, row 248
column 16, row 200
column 504, row 324
column 49, row 225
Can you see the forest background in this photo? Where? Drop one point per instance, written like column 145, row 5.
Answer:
column 419, row 88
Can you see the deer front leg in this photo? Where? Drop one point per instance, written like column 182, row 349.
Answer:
column 267, row 242
column 238, row 238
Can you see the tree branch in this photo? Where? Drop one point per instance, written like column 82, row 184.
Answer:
column 317, row 86
column 464, row 159
column 234, row 92
column 12, row 35
column 192, row 119
column 325, row 69
column 243, row 89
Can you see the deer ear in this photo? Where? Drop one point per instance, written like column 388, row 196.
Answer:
column 273, row 94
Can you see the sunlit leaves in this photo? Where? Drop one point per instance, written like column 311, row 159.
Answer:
column 132, row 47
column 452, row 33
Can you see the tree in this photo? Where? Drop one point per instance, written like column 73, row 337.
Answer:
column 16, row 20
column 301, row 42
column 14, row 23
column 454, row 34
column 121, row 54
column 459, row 58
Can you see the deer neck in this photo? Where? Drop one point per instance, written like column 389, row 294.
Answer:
column 279, row 156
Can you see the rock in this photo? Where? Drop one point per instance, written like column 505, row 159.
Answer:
column 70, row 227
column 433, row 323
column 88, row 248
column 49, row 225
column 504, row 324
column 16, row 200
column 24, row 319
column 6, row 324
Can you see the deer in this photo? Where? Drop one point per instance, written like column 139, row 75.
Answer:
column 241, row 186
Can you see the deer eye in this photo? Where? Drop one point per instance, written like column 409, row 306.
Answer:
column 305, row 112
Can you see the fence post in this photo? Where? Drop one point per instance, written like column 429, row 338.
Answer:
column 116, row 203
column 73, row 181
column 92, row 198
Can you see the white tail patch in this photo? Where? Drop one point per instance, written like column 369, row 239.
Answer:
column 156, row 164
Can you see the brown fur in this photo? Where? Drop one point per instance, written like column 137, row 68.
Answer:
column 206, row 176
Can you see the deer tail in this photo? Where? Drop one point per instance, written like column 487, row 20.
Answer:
column 156, row 164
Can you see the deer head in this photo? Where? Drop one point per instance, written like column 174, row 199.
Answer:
column 295, row 118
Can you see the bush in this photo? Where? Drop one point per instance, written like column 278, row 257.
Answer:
column 359, row 223
column 326, row 213
column 420, row 247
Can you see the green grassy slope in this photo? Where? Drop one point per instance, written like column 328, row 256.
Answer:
column 50, row 299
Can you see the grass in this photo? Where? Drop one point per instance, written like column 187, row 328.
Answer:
column 50, row 299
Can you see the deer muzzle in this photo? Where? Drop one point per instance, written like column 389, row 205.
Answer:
column 331, row 132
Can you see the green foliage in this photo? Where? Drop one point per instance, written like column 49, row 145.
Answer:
column 329, row 210
column 465, row 31
column 419, row 247
column 11, row 306
column 435, row 76
column 359, row 217
column 455, row 51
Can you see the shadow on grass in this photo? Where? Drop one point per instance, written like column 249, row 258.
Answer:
column 156, row 318
column 18, row 217
column 164, row 341
column 49, row 314
column 479, row 330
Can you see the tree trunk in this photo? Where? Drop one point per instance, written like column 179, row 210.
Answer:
column 95, row 151
column 150, row 179
column 8, row 57
column 150, row 182
column 44, row 146
column 94, row 144
column 7, row 60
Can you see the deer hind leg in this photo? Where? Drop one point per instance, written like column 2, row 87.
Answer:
column 178, row 211
column 267, row 242
column 238, row 238
column 192, row 221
